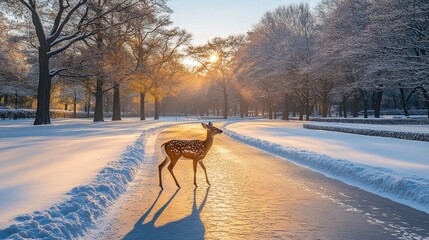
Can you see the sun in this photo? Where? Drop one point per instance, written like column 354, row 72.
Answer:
column 213, row 58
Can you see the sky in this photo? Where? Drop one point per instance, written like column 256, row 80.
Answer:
column 207, row 19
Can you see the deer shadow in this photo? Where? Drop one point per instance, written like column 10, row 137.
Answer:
column 189, row 227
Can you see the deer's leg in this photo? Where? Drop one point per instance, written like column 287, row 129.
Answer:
column 205, row 171
column 195, row 172
column 171, row 167
column 160, row 167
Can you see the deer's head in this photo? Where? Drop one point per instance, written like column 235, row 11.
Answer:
column 211, row 129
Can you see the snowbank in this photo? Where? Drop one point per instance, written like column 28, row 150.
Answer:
column 412, row 191
column 73, row 217
column 371, row 132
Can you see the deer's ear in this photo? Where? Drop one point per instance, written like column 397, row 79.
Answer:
column 205, row 126
column 210, row 124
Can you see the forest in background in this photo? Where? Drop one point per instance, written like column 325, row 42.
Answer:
column 125, row 58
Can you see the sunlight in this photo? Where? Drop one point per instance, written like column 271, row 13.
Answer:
column 213, row 58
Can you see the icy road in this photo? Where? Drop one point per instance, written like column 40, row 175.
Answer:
column 254, row 195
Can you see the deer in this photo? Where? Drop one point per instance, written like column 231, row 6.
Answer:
column 196, row 150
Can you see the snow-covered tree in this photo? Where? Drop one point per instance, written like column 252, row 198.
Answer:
column 399, row 30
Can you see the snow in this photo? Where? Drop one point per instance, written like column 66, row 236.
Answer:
column 394, row 168
column 73, row 217
column 39, row 165
column 57, row 180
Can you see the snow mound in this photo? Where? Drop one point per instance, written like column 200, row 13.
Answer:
column 85, row 204
column 386, row 182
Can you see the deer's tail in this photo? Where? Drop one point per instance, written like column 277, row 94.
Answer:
column 164, row 153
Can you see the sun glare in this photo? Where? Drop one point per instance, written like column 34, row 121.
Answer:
column 213, row 58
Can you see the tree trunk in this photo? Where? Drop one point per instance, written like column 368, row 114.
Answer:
column 225, row 99
column 344, row 104
column 43, row 90
column 242, row 108
column 301, row 110
column 307, row 109
column 116, row 116
column 427, row 106
column 355, row 106
column 365, row 105
column 324, row 107
column 16, row 99
column 88, row 114
column 74, row 105
column 98, row 115
column 270, row 112
column 293, row 109
column 106, row 101
column 286, row 107
column 263, row 110
column 378, row 96
column 142, row 106
column 270, row 107
column 156, row 108
column 425, row 94
column 404, row 102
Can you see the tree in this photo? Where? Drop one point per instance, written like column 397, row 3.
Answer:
column 216, row 60
column 277, row 57
column 14, row 65
column 403, row 44
column 164, row 67
column 68, row 21
column 142, row 42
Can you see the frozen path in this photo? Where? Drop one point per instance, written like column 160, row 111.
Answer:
column 254, row 195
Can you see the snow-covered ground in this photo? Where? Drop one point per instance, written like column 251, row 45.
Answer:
column 394, row 128
column 394, row 168
column 57, row 180
column 40, row 164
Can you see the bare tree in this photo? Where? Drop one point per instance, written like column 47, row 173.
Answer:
column 143, row 41
column 58, row 25
column 216, row 60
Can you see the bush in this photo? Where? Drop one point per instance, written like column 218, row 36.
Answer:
column 372, row 132
column 17, row 113
column 394, row 121
column 31, row 113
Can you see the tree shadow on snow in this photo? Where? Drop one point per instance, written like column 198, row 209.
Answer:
column 189, row 227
